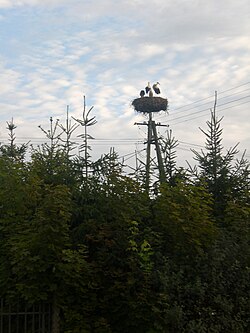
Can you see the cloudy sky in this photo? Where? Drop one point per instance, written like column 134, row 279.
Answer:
column 52, row 52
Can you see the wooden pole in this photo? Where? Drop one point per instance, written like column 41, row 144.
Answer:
column 162, row 175
column 153, row 138
column 149, row 141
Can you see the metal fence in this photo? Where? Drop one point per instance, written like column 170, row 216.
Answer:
column 22, row 318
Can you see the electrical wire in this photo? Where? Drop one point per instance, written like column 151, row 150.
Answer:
column 206, row 98
column 219, row 105
column 230, row 107
column 228, row 96
column 191, row 144
column 173, row 121
column 212, row 96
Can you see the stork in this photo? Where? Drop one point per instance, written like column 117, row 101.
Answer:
column 148, row 88
column 142, row 93
column 156, row 88
column 150, row 94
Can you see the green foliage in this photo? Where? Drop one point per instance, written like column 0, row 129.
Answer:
column 183, row 215
column 114, row 259
column 225, row 179
column 173, row 173
column 12, row 151
column 38, row 246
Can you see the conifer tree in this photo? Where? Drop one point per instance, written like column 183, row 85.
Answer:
column 225, row 176
column 85, row 122
column 168, row 147
column 12, row 150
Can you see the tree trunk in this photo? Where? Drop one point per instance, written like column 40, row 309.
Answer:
column 55, row 316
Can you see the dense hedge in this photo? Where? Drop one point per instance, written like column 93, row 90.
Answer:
column 114, row 258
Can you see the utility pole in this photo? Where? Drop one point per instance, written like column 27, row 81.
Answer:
column 148, row 103
column 149, row 141
column 153, row 138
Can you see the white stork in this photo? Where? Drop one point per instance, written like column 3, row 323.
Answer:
column 156, row 88
column 150, row 94
column 148, row 88
column 142, row 93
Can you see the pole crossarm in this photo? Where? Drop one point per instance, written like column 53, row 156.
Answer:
column 156, row 124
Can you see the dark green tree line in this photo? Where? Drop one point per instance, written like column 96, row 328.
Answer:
column 88, row 238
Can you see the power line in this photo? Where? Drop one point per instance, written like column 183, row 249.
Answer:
column 230, row 107
column 129, row 141
column 114, row 141
column 76, row 139
column 228, row 96
column 219, row 105
column 191, row 144
column 219, row 92
column 132, row 155
column 206, row 98
column 184, row 149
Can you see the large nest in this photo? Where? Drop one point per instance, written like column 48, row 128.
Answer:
column 150, row 104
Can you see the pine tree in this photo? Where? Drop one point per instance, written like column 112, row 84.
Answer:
column 14, row 152
column 168, row 147
column 226, row 177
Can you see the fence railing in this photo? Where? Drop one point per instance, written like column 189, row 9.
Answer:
column 23, row 318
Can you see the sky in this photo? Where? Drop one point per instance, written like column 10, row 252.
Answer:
column 54, row 52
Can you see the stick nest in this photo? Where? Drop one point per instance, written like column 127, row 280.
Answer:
column 150, row 104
